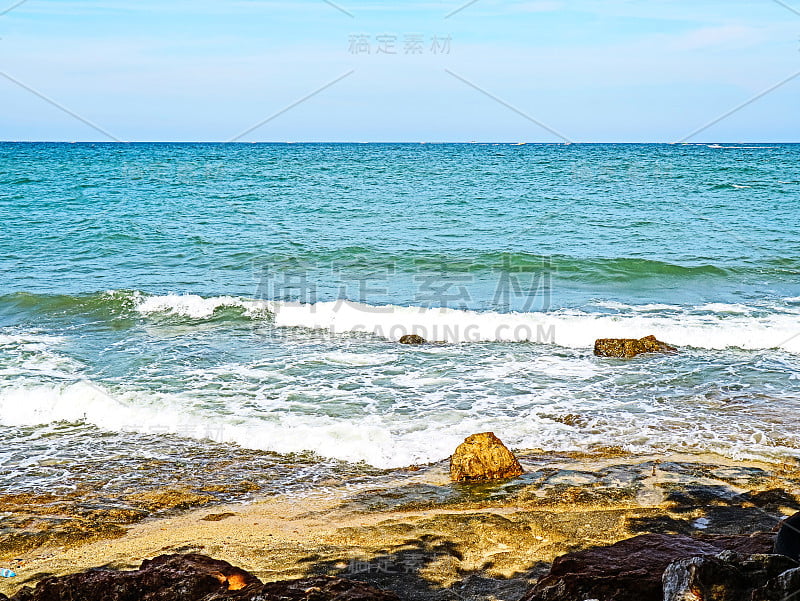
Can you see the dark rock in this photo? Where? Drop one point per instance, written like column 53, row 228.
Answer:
column 322, row 588
column 727, row 576
column 483, row 457
column 192, row 578
column 412, row 339
column 179, row 577
column 630, row 347
column 760, row 543
column 788, row 541
column 774, row 499
column 629, row 570
column 783, row 587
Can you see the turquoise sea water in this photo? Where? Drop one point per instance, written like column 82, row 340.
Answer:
column 253, row 294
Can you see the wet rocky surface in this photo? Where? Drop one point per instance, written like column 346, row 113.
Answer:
column 192, row 577
column 495, row 540
column 632, row 569
column 426, row 538
column 102, row 498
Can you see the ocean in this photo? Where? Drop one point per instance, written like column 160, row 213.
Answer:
column 172, row 311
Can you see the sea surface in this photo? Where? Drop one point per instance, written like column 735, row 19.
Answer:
column 168, row 308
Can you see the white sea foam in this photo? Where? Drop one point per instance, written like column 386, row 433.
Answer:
column 647, row 307
column 709, row 326
column 191, row 305
column 360, row 359
column 572, row 368
column 29, row 339
column 412, row 380
column 31, row 354
column 393, row 439
column 574, row 329
column 390, row 418
column 725, row 308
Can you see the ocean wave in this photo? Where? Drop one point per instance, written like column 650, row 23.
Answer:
column 390, row 406
column 392, row 439
column 192, row 305
column 358, row 260
column 705, row 326
column 708, row 326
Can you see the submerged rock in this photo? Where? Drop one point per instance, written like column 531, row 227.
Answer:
column 192, row 577
column 727, row 576
column 630, row 347
column 631, row 570
column 483, row 457
column 412, row 339
column 170, row 498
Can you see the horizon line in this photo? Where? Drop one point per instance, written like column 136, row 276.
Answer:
column 440, row 143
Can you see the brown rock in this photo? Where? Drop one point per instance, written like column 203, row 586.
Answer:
column 631, row 570
column 483, row 457
column 759, row 543
column 193, row 578
column 167, row 577
column 630, row 347
column 412, row 339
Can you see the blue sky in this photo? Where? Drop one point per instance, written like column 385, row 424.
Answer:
column 590, row 70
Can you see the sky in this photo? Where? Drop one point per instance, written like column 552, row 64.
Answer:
column 433, row 71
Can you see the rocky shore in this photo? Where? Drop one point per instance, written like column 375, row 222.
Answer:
column 422, row 537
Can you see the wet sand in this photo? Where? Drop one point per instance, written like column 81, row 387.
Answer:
column 426, row 538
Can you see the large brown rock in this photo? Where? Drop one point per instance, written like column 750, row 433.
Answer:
column 631, row 570
column 192, row 578
column 483, row 457
column 412, row 339
column 626, row 348
column 165, row 577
